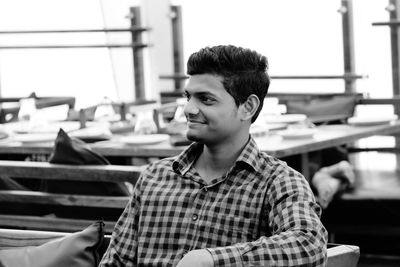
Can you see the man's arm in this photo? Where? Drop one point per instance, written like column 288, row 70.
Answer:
column 298, row 236
column 123, row 245
column 197, row 258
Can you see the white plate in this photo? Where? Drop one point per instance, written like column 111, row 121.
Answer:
column 297, row 133
column 22, row 127
column 285, row 118
column 3, row 135
column 34, row 138
column 92, row 132
column 145, row 139
column 367, row 121
column 257, row 130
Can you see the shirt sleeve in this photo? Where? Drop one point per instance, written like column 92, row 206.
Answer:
column 298, row 237
column 122, row 250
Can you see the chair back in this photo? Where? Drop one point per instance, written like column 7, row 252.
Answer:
column 334, row 105
column 10, row 106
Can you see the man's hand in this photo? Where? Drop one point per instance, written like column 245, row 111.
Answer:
column 197, row 258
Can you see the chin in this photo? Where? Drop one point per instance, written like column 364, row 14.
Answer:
column 206, row 140
column 193, row 137
column 196, row 136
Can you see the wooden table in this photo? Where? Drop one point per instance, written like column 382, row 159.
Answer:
column 326, row 136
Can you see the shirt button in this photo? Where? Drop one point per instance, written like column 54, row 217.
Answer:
column 195, row 217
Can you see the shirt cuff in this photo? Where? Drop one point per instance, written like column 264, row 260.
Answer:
column 226, row 256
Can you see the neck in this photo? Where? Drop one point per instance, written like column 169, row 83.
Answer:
column 216, row 160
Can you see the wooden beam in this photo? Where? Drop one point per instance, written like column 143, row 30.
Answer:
column 131, row 29
column 348, row 44
column 138, row 58
column 134, row 46
column 394, row 12
column 346, row 77
column 177, row 44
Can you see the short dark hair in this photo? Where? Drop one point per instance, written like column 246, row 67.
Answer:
column 244, row 71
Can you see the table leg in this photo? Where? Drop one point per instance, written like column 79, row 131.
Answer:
column 305, row 165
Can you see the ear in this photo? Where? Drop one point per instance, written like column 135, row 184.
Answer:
column 249, row 107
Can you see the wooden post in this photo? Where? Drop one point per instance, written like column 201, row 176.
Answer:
column 177, row 44
column 394, row 11
column 348, row 44
column 394, row 15
column 138, row 63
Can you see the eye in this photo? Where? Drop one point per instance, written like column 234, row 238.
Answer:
column 207, row 100
column 186, row 95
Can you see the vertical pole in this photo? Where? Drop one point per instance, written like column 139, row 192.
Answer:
column 138, row 63
column 305, row 166
column 394, row 9
column 394, row 15
column 0, row 74
column 177, row 44
column 348, row 44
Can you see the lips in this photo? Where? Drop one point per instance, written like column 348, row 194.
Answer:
column 194, row 121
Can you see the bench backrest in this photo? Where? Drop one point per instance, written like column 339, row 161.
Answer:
column 48, row 171
column 339, row 255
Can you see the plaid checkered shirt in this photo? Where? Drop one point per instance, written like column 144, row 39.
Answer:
column 260, row 213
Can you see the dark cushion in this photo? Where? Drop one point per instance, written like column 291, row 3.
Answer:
column 77, row 249
column 70, row 150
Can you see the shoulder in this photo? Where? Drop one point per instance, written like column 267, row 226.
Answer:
column 161, row 165
column 264, row 165
column 279, row 173
column 275, row 167
column 284, row 180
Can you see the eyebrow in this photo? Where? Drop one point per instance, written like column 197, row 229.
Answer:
column 200, row 93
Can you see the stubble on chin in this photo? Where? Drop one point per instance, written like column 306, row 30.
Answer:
column 192, row 137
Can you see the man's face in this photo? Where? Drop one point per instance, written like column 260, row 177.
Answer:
column 211, row 112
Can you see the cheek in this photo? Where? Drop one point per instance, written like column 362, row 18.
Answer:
column 233, row 114
column 228, row 118
column 225, row 115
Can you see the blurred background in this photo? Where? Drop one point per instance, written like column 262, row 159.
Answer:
column 300, row 38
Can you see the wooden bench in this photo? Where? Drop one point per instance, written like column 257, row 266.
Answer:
column 48, row 171
column 339, row 255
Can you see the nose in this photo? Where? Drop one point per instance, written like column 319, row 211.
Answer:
column 190, row 108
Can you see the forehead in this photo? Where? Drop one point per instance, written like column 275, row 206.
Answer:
column 205, row 83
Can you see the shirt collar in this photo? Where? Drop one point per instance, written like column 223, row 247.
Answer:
column 184, row 161
column 250, row 154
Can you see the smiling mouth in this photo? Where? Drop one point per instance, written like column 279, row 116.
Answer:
column 195, row 122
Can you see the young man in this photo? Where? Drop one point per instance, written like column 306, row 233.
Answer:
column 221, row 202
